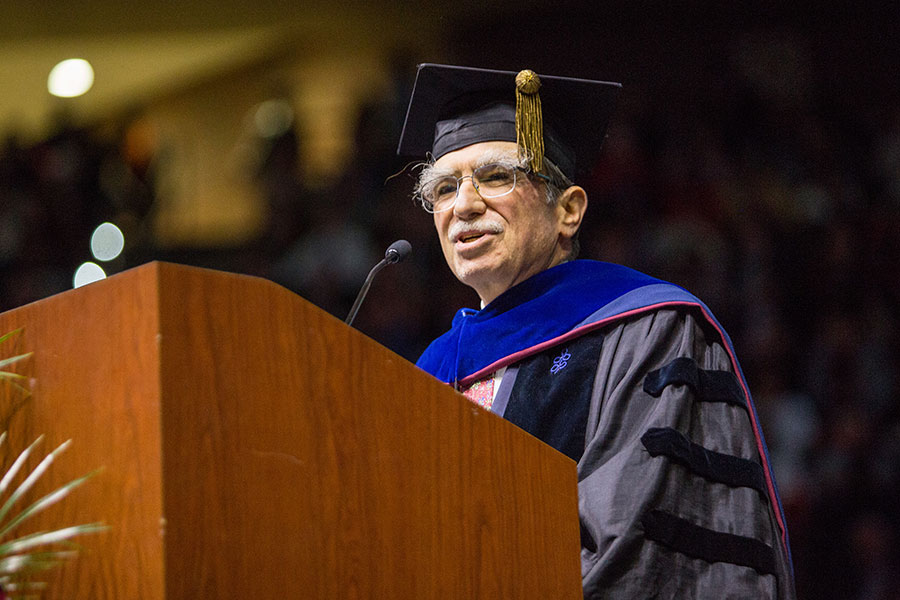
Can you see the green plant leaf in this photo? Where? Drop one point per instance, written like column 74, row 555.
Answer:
column 14, row 378
column 23, row 589
column 20, row 564
column 32, row 478
column 13, row 360
column 8, row 335
column 25, row 391
column 41, row 504
column 43, row 538
column 35, row 474
column 22, row 558
column 14, row 470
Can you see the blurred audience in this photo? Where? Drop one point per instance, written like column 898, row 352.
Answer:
column 757, row 208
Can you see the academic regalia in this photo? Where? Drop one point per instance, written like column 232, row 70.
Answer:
column 631, row 377
column 635, row 380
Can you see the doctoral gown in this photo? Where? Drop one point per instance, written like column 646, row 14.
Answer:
column 636, row 381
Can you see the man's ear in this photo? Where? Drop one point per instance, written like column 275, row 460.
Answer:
column 570, row 210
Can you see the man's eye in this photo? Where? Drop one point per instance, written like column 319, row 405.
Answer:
column 445, row 188
column 495, row 175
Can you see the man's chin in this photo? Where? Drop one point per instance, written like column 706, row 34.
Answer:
column 477, row 276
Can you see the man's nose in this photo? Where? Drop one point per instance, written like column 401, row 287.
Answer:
column 468, row 200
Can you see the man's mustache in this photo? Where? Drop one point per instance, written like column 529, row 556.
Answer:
column 460, row 228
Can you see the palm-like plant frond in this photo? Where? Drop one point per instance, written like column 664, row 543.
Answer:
column 23, row 557
column 14, row 379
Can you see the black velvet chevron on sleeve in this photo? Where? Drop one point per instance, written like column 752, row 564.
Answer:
column 709, row 386
column 733, row 471
column 711, row 546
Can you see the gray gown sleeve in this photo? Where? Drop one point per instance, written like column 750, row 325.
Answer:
column 621, row 482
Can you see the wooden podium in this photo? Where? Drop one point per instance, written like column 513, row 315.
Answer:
column 255, row 447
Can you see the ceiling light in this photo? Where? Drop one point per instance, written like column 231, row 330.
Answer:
column 70, row 78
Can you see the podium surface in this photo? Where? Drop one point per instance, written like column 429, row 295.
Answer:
column 254, row 446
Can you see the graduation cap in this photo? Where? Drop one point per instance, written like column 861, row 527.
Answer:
column 561, row 118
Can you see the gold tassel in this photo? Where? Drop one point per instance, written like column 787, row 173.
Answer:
column 529, row 122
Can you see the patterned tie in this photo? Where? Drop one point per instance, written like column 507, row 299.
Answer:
column 481, row 392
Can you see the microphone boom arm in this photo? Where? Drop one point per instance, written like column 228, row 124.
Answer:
column 394, row 254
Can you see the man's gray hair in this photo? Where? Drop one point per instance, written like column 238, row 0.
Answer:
column 558, row 181
column 558, row 184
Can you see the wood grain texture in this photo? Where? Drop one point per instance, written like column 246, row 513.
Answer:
column 257, row 447
column 95, row 381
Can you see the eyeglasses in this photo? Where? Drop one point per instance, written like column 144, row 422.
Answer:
column 490, row 181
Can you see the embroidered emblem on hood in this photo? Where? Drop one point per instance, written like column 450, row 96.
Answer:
column 560, row 362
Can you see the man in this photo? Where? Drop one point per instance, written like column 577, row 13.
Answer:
column 630, row 376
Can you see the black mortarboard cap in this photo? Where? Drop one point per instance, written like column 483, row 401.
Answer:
column 452, row 107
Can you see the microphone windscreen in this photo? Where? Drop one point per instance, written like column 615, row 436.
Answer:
column 398, row 251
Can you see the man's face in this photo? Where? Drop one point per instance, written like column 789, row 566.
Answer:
column 492, row 244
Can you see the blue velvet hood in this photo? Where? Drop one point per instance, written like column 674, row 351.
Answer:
column 555, row 305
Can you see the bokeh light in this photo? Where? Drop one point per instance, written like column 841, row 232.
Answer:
column 273, row 118
column 88, row 273
column 70, row 78
column 107, row 242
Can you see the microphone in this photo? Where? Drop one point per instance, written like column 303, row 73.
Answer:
column 397, row 251
column 394, row 254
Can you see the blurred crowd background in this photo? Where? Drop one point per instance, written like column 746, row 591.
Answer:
column 754, row 159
